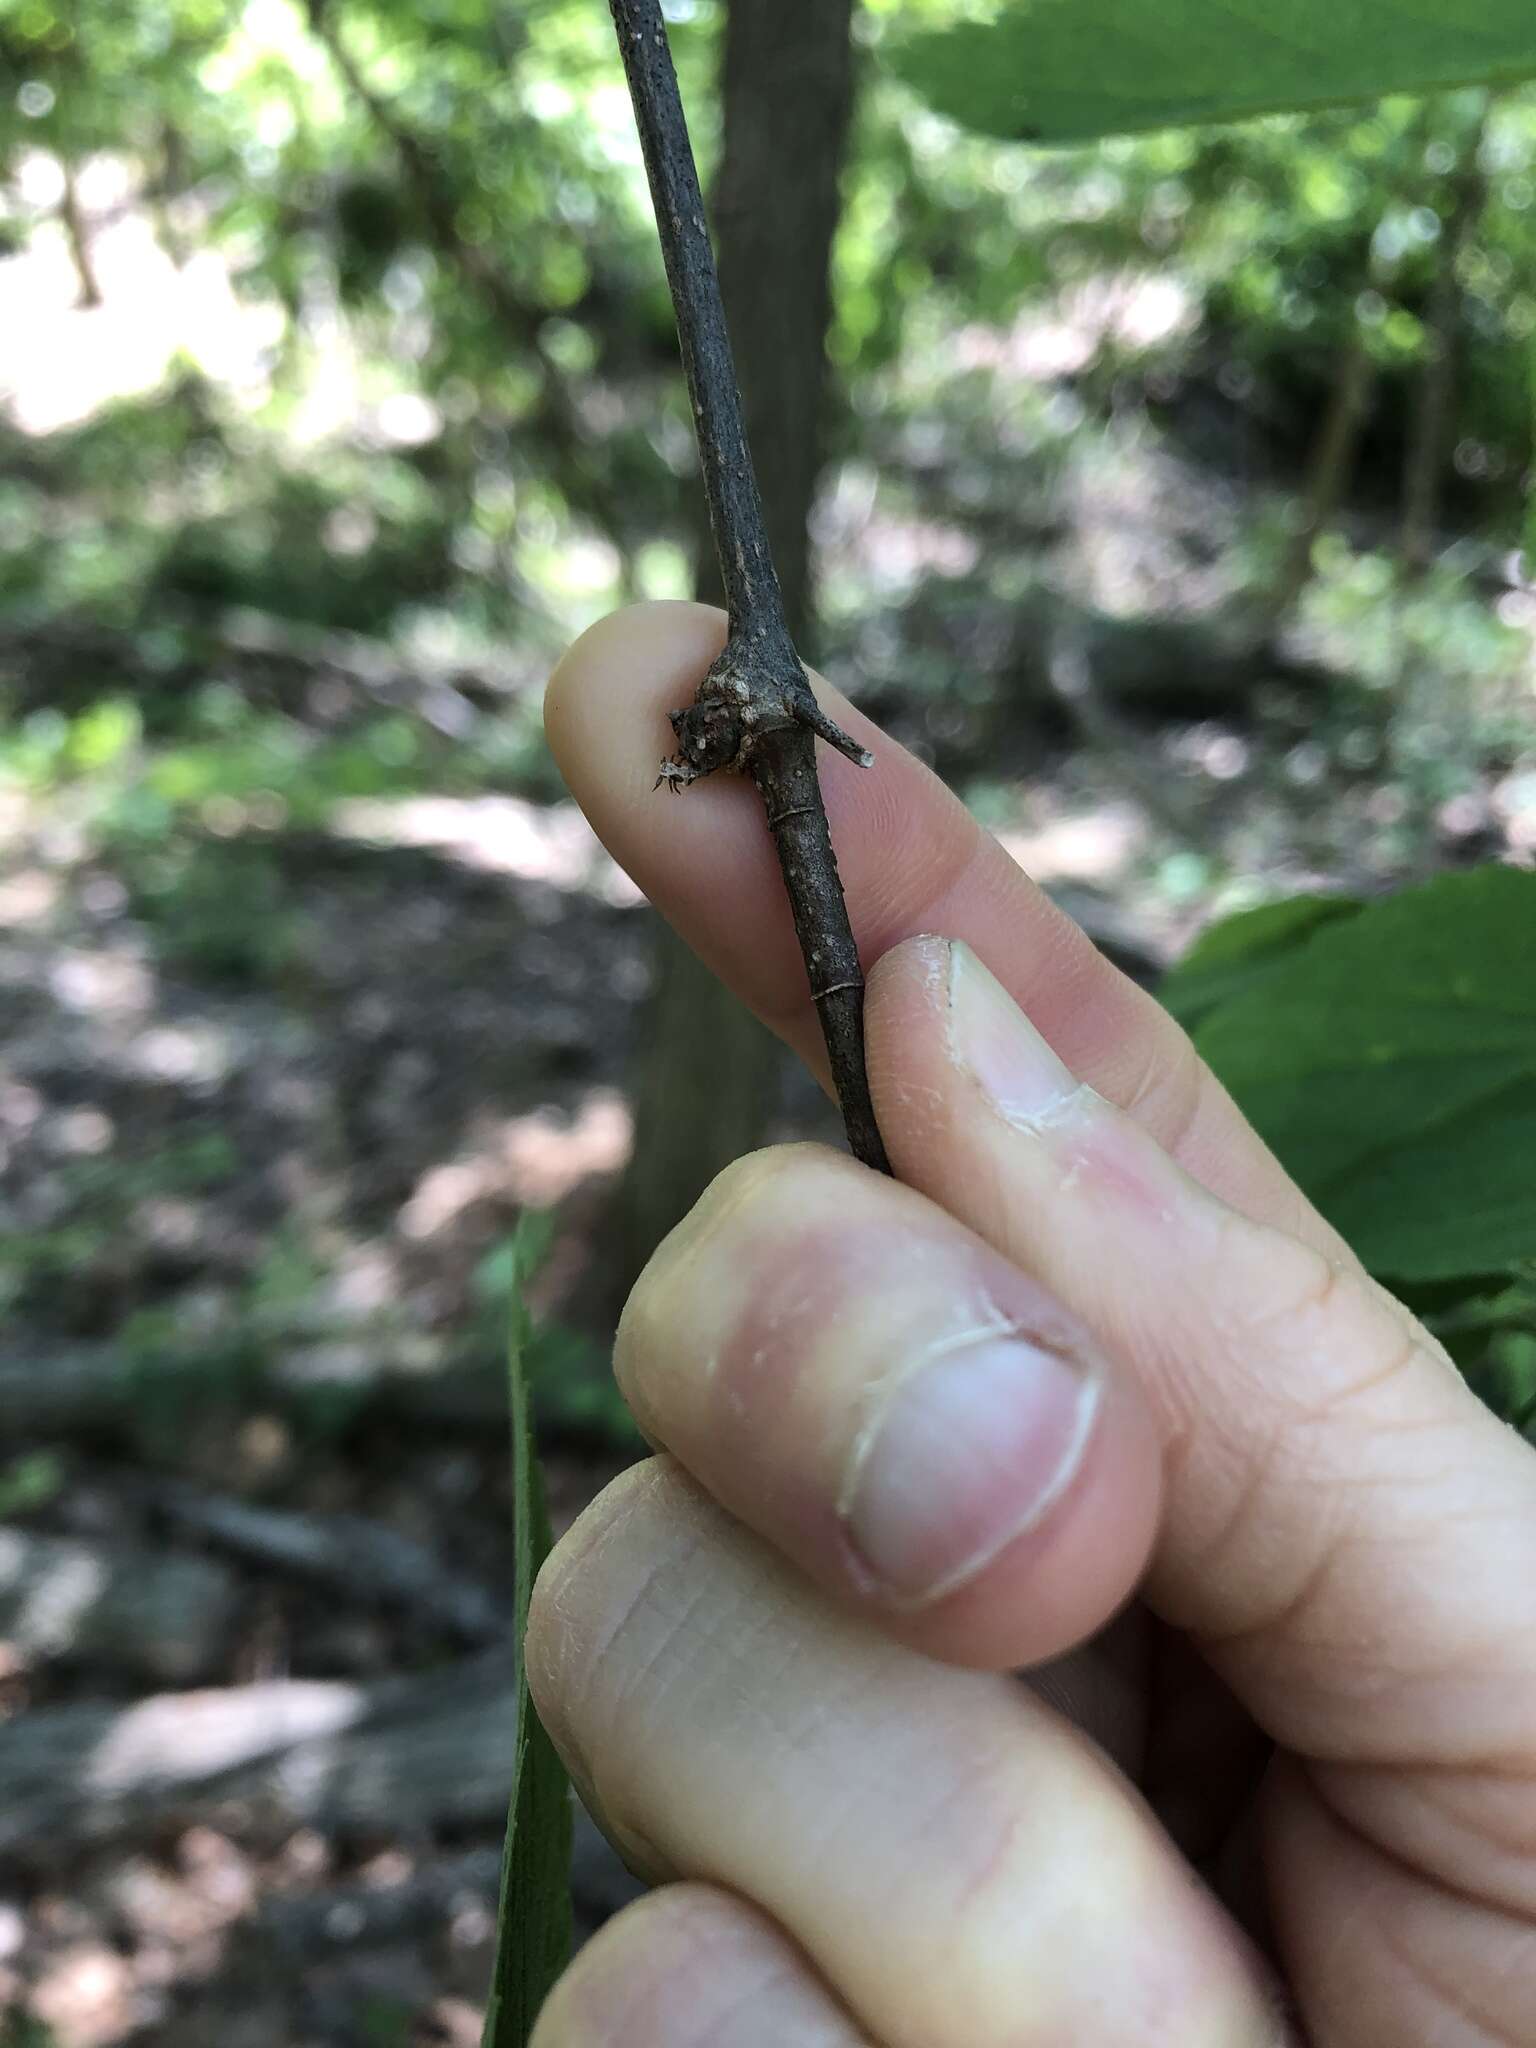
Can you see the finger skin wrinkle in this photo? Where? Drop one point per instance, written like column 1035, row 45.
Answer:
column 668, row 1639
column 675, row 1634
column 1330, row 1671
column 910, row 892
column 1281, row 1299
column 1383, row 1953
column 1237, row 1529
column 1480, row 2023
column 990, row 1871
column 565, row 1653
column 1453, row 1998
column 1263, row 1291
column 1168, row 1093
column 1470, row 1825
column 1326, row 1429
column 877, row 1802
column 773, row 1974
column 1283, row 1622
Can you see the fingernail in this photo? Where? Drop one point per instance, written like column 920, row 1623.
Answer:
column 967, row 1451
column 990, row 1036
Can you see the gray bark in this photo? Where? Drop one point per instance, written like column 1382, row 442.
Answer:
column 56, row 1389
column 787, row 89
column 63, row 1601
column 364, row 1560
column 404, row 1755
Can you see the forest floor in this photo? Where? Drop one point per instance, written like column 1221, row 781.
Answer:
column 257, row 1246
column 277, row 1082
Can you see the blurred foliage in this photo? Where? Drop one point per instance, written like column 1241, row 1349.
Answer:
column 338, row 388
column 460, row 414
column 21, row 2031
column 30, row 1482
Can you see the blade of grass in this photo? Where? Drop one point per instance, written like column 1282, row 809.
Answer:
column 533, row 1922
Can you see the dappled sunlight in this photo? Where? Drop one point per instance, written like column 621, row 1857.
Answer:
column 1090, row 846
column 196, row 1734
column 1130, row 310
column 1514, row 803
column 504, row 835
column 45, row 1595
column 61, row 360
column 28, row 897
column 192, row 1054
column 110, row 982
column 527, row 1161
column 87, row 1996
column 338, row 393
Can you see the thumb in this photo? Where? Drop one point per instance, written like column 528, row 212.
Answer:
column 1347, row 1533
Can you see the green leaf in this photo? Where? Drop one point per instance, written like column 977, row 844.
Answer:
column 1070, row 70
column 30, row 1482
column 1457, row 1202
column 1390, row 1060
column 1243, row 950
column 533, row 1932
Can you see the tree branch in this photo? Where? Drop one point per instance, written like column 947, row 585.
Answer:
column 755, row 710
column 437, row 202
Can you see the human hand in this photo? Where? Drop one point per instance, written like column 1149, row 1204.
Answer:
column 918, row 1435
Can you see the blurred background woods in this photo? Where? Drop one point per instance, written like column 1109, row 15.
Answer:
column 1166, row 494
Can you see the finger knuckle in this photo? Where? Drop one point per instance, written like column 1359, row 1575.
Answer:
column 748, row 1212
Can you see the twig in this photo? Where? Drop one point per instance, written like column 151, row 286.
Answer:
column 436, row 200
column 755, row 710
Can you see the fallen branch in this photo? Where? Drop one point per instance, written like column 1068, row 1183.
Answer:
column 358, row 1558
column 53, row 1389
column 62, row 1600
column 405, row 1756
column 54, row 660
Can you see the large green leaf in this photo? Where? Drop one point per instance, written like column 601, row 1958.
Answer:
column 1390, row 1059
column 1070, row 70
column 1239, row 954
column 533, row 1933
column 1459, row 1197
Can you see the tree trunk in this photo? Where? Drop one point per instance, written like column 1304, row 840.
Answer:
column 1429, row 437
column 1329, row 471
column 788, row 95
column 787, row 87
column 1429, row 693
column 77, row 231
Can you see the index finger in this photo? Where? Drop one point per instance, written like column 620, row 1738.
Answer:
column 912, row 859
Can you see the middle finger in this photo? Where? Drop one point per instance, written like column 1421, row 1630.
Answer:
column 965, row 1870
